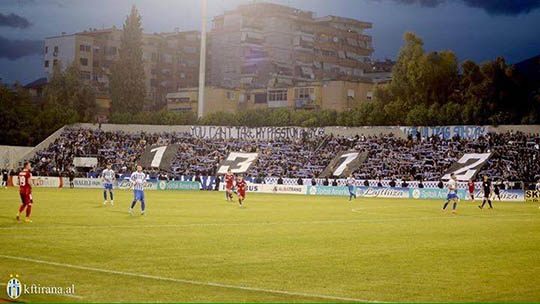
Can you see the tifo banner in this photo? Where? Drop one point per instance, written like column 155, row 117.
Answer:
column 344, row 163
column 468, row 166
column 266, row 133
column 159, row 157
column 87, row 183
column 87, row 162
column 238, row 162
column 447, row 132
column 178, row 185
column 42, row 181
column 532, row 196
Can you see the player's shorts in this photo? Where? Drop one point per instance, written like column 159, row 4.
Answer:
column 242, row 194
column 229, row 187
column 107, row 186
column 488, row 195
column 26, row 198
column 471, row 191
column 451, row 196
column 138, row 195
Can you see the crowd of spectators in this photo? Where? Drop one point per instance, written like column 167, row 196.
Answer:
column 515, row 155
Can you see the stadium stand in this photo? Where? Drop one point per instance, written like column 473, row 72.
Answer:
column 516, row 156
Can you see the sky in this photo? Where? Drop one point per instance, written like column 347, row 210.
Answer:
column 480, row 30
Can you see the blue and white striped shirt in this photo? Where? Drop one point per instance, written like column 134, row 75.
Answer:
column 137, row 179
column 108, row 176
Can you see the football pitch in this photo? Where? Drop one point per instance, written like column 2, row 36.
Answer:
column 195, row 247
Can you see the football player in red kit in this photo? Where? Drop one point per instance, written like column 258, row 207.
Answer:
column 241, row 189
column 229, row 180
column 470, row 185
column 25, row 191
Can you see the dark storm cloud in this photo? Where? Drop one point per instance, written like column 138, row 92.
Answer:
column 15, row 49
column 13, row 20
column 493, row 7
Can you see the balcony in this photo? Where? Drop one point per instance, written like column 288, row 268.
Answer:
column 305, row 104
column 277, row 104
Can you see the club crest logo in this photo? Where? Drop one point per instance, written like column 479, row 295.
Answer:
column 14, row 287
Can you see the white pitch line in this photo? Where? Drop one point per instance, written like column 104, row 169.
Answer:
column 192, row 282
column 356, row 210
column 60, row 294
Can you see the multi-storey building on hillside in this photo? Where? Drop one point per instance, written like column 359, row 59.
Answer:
column 171, row 60
column 268, row 45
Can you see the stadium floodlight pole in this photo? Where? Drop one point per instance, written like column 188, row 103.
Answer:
column 202, row 63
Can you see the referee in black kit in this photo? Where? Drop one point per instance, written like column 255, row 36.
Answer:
column 486, row 184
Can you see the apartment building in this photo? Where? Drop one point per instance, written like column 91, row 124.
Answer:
column 170, row 60
column 261, row 45
column 339, row 95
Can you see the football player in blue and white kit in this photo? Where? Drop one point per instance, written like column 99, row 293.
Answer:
column 107, row 178
column 137, row 180
column 350, row 186
column 452, row 193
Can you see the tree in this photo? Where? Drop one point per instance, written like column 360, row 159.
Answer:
column 127, row 74
column 68, row 91
column 418, row 78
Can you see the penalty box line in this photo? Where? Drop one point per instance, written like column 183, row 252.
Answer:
column 191, row 282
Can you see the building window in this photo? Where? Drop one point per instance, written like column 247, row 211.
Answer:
column 85, row 75
column 369, row 95
column 350, row 93
column 56, row 63
column 46, row 49
column 55, row 51
column 260, row 98
column 304, row 93
column 230, row 95
column 84, row 48
column 112, row 50
column 277, row 95
column 84, row 61
column 46, row 63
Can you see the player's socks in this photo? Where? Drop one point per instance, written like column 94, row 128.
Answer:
column 454, row 207
column 28, row 210
column 21, row 208
column 142, row 207
column 490, row 206
column 104, row 196
column 111, row 195
column 445, row 205
column 133, row 204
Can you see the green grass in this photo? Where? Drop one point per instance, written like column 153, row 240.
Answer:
column 371, row 249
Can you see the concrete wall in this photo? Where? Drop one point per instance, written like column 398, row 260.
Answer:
column 9, row 155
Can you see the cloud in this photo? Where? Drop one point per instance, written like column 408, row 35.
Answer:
column 505, row 7
column 13, row 20
column 493, row 7
column 15, row 49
